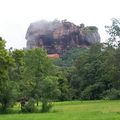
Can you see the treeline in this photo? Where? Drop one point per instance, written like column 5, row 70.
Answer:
column 95, row 74
column 29, row 76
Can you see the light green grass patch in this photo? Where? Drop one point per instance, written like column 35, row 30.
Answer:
column 74, row 110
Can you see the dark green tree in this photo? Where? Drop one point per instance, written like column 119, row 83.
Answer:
column 16, row 74
column 39, row 74
column 89, row 72
column 6, row 91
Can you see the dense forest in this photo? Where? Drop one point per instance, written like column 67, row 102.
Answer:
column 30, row 77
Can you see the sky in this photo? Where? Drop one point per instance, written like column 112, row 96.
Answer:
column 16, row 16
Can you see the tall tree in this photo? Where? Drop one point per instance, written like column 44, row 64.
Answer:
column 6, row 91
column 16, row 73
column 39, row 74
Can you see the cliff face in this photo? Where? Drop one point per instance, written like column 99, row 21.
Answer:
column 58, row 36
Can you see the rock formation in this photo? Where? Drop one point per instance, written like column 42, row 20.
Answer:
column 58, row 36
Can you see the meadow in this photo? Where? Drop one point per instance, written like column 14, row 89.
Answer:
column 73, row 110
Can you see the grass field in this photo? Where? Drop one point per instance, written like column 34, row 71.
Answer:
column 77, row 110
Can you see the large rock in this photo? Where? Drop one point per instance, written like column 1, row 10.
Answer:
column 58, row 36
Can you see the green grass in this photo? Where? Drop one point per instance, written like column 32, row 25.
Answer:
column 75, row 110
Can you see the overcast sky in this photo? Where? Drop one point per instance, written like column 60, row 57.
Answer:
column 16, row 15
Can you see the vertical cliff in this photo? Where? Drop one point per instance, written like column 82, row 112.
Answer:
column 58, row 36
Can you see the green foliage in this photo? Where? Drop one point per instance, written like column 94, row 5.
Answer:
column 6, row 91
column 114, row 32
column 69, row 57
column 29, row 106
column 111, row 94
column 97, row 72
column 92, row 92
column 49, row 88
column 90, row 29
column 16, row 72
column 63, row 84
column 46, row 106
column 40, row 76
column 21, row 79
column 49, row 92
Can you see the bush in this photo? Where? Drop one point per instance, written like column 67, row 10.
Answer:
column 46, row 106
column 92, row 92
column 112, row 94
column 4, row 111
column 29, row 106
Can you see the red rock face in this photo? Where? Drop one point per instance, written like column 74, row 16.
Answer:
column 54, row 56
column 58, row 36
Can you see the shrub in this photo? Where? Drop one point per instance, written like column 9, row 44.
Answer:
column 92, row 92
column 46, row 106
column 29, row 106
column 111, row 94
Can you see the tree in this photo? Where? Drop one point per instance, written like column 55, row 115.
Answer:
column 49, row 92
column 16, row 73
column 6, row 91
column 69, row 57
column 89, row 72
column 63, row 83
column 39, row 74
column 114, row 32
column 114, row 46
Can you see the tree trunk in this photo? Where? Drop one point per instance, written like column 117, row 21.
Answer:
column 37, row 102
